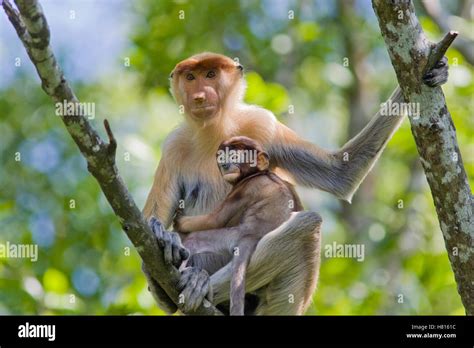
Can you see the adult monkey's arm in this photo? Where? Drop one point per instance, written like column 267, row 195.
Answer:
column 32, row 29
column 339, row 172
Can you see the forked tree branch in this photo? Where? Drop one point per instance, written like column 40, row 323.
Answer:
column 435, row 136
column 32, row 29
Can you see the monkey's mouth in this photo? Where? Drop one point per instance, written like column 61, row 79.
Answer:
column 203, row 108
column 204, row 112
column 231, row 176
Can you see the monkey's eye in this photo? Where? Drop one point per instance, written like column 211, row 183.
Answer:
column 190, row 77
column 225, row 166
column 211, row 74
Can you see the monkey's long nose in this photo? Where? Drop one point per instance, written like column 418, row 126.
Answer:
column 199, row 97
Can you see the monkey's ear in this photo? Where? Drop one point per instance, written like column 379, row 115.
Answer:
column 263, row 161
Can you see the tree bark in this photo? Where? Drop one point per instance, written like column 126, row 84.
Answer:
column 32, row 28
column 435, row 136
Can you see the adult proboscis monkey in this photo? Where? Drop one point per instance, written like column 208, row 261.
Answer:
column 284, row 268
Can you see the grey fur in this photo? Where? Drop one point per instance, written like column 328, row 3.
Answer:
column 329, row 172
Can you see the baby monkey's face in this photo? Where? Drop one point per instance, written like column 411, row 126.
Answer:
column 236, row 163
column 240, row 157
column 230, row 171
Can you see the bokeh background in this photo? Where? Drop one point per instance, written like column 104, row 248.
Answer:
column 118, row 54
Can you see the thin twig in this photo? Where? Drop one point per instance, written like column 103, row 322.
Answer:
column 112, row 146
column 439, row 49
column 435, row 11
column 17, row 23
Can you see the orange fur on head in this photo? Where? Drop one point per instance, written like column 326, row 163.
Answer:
column 205, row 61
column 231, row 83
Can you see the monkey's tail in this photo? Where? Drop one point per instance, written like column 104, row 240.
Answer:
column 237, row 283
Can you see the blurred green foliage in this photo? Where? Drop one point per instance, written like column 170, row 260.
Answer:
column 86, row 265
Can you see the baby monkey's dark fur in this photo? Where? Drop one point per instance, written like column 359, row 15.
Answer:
column 258, row 203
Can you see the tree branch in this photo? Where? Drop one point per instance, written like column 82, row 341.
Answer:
column 32, row 29
column 435, row 136
column 434, row 10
